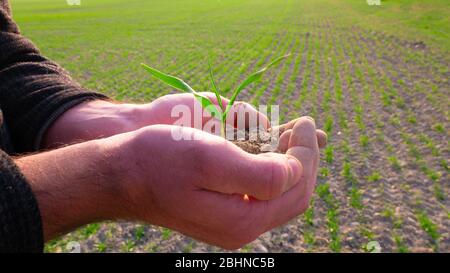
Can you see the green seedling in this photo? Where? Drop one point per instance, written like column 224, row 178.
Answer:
column 401, row 246
column 205, row 102
column 428, row 225
column 90, row 230
column 375, row 176
column 364, row 140
column 395, row 163
column 139, row 233
column 101, row 247
column 355, row 198
column 329, row 154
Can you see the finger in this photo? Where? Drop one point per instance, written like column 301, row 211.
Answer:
column 274, row 212
column 231, row 170
column 283, row 144
column 295, row 201
column 243, row 116
column 185, row 108
column 240, row 112
column 321, row 135
column 212, row 225
column 321, row 138
column 283, row 127
column 285, row 136
column 304, row 147
column 265, row 213
column 291, row 204
column 308, row 158
column 304, row 133
column 212, row 126
column 225, row 220
column 213, row 98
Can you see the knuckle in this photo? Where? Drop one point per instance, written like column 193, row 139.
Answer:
column 240, row 106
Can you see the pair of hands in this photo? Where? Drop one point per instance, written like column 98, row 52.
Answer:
column 195, row 187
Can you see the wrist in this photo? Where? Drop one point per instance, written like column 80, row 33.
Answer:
column 75, row 185
column 136, row 161
column 91, row 120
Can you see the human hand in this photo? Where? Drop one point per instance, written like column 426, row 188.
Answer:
column 197, row 187
column 99, row 119
column 193, row 186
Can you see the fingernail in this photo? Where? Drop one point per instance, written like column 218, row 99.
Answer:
column 296, row 169
column 311, row 119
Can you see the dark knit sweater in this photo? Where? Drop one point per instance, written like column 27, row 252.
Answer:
column 34, row 92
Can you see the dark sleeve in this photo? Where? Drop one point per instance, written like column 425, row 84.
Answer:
column 20, row 220
column 34, row 91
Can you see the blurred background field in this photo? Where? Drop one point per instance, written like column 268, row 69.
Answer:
column 376, row 78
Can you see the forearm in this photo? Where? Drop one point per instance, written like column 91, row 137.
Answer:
column 75, row 185
column 92, row 120
column 34, row 91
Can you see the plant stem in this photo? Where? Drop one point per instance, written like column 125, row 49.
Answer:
column 222, row 128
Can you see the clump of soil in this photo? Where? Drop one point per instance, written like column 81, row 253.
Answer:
column 255, row 142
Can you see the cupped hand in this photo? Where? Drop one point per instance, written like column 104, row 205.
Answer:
column 99, row 119
column 160, row 111
column 197, row 186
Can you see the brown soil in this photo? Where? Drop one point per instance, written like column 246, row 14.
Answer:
column 254, row 144
column 253, row 147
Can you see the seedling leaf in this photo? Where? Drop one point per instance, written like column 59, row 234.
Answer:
column 170, row 80
column 215, row 89
column 179, row 84
column 250, row 79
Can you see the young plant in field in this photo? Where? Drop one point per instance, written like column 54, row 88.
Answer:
column 439, row 128
column 375, row 176
column 139, row 233
column 328, row 126
column 428, row 226
column 394, row 162
column 329, row 154
column 364, row 140
column 347, row 172
column 90, row 230
column 101, row 247
column 205, row 101
column 128, row 246
column 399, row 242
column 166, row 233
column 324, row 172
column 323, row 190
column 444, row 164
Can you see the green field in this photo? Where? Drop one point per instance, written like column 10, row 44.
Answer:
column 376, row 78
